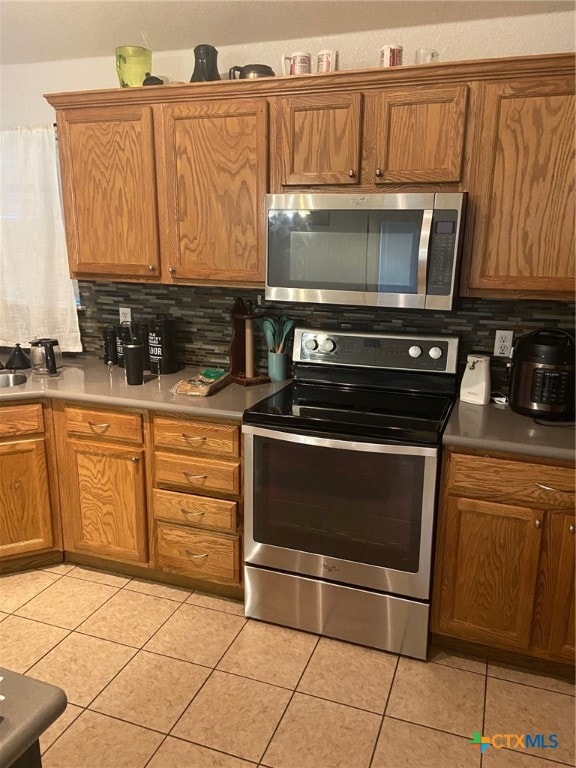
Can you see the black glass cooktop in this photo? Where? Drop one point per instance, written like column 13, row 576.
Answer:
column 361, row 412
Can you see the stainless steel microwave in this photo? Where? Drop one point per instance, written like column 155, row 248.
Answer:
column 378, row 250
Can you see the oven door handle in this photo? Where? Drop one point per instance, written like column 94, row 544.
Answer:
column 347, row 444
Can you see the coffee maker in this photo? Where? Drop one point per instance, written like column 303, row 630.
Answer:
column 163, row 349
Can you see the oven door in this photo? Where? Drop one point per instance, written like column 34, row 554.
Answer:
column 351, row 512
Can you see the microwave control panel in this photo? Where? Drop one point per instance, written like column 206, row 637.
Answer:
column 442, row 253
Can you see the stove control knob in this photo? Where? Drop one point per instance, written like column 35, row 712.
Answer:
column 435, row 353
column 415, row 351
column 328, row 345
column 311, row 344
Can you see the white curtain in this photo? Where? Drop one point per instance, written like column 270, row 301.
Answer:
column 36, row 293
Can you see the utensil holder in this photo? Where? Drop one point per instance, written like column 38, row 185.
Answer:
column 277, row 365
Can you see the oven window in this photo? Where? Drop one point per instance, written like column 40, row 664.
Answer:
column 347, row 504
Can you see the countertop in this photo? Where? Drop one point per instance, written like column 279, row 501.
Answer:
column 89, row 380
column 498, row 428
column 488, row 427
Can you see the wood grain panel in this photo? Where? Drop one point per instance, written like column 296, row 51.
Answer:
column 320, row 141
column 525, row 235
column 198, row 554
column 420, row 134
column 197, row 436
column 197, row 474
column 21, row 419
column 25, row 522
column 108, row 173
column 215, row 157
column 109, row 509
column 535, row 485
column 490, row 565
column 199, row 511
column 563, row 635
column 114, row 425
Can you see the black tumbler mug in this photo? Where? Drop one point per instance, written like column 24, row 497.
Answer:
column 110, row 349
column 134, row 362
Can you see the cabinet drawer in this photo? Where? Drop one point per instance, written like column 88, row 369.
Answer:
column 104, row 424
column 199, row 511
column 196, row 473
column 198, row 554
column 534, row 485
column 21, row 420
column 197, row 436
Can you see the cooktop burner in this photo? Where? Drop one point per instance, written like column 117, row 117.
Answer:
column 369, row 386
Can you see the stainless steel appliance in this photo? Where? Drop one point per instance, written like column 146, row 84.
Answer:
column 250, row 71
column 384, row 250
column 340, row 487
column 45, row 356
column 542, row 382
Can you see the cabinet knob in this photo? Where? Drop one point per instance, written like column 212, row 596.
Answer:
column 172, row 270
column 538, row 523
column 135, row 459
column 351, row 173
column 378, row 172
column 151, row 268
column 572, row 529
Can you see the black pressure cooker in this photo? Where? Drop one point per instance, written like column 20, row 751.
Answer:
column 542, row 381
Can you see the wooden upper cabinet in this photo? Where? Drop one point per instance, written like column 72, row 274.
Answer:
column 319, row 138
column 415, row 135
column 212, row 181
column 109, row 191
column 523, row 187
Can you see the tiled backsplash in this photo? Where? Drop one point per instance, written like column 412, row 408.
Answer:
column 206, row 326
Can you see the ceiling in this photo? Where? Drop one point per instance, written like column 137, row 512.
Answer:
column 34, row 31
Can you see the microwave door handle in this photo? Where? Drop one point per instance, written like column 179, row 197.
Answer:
column 423, row 252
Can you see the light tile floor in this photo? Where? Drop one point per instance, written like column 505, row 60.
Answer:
column 161, row 677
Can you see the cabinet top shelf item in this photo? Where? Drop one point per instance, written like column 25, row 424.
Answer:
column 442, row 72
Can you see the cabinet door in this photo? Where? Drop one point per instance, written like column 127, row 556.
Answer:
column 415, row 135
column 319, row 139
column 107, row 514
column 25, row 522
column 524, row 188
column 490, row 561
column 109, row 191
column 212, row 188
column 563, row 626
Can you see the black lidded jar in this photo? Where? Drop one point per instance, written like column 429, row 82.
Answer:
column 162, row 345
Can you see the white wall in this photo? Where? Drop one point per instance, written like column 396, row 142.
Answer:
column 22, row 86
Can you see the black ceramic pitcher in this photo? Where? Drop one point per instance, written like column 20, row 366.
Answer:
column 205, row 66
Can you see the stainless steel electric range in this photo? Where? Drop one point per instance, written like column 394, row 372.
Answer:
column 341, row 480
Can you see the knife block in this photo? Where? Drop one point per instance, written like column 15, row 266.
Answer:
column 241, row 313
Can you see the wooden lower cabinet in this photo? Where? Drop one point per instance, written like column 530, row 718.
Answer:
column 196, row 499
column 103, row 490
column 26, row 524
column 504, row 574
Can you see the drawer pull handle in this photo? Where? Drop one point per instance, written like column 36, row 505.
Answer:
column 572, row 529
column 189, row 476
column 193, row 438
column 192, row 556
column 554, row 490
column 104, row 425
column 191, row 514
column 538, row 523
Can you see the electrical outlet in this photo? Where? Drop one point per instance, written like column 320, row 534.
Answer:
column 125, row 314
column 503, row 343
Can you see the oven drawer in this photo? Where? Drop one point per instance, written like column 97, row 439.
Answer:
column 199, row 511
column 196, row 473
column 104, row 424
column 197, row 436
column 198, row 554
column 21, row 420
column 512, row 482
